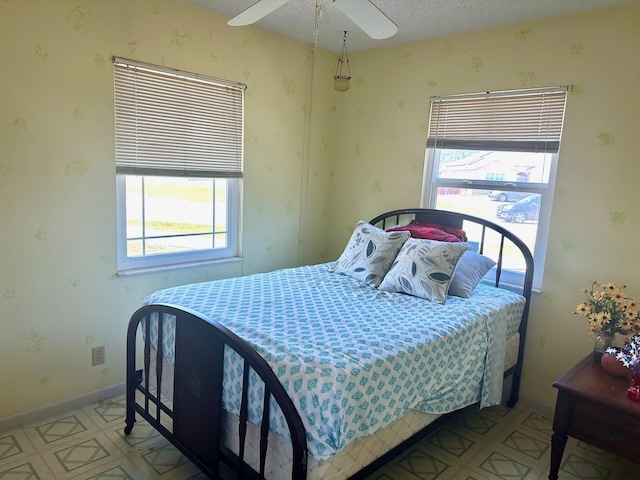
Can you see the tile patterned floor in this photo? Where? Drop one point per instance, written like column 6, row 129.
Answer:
column 495, row 443
column 501, row 443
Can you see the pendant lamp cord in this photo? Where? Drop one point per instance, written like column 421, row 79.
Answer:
column 344, row 57
column 306, row 170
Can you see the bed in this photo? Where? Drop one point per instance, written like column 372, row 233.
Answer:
column 326, row 371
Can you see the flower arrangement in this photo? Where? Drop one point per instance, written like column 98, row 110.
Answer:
column 608, row 309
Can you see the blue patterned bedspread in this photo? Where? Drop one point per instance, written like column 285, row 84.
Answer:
column 354, row 358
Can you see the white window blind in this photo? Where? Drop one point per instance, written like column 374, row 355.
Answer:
column 176, row 123
column 518, row 121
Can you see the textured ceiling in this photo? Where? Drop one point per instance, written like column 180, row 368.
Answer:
column 416, row 19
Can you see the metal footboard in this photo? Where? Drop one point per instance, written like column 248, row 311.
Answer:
column 191, row 419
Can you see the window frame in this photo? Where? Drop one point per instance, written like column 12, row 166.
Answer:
column 431, row 183
column 212, row 148
column 429, row 200
column 177, row 259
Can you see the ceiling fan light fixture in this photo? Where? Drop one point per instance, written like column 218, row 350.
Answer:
column 343, row 74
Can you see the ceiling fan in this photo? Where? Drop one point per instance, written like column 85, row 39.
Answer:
column 361, row 12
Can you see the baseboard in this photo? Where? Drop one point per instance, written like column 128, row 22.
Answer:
column 58, row 408
column 543, row 409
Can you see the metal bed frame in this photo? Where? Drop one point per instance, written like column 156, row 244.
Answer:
column 191, row 419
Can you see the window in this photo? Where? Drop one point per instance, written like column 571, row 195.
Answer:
column 494, row 176
column 494, row 155
column 179, row 145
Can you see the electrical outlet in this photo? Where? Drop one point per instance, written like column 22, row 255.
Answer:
column 97, row 356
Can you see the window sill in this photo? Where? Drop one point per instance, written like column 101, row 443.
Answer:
column 176, row 266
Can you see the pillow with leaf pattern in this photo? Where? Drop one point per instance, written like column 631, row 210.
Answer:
column 369, row 253
column 424, row 268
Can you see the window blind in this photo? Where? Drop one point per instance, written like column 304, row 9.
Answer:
column 519, row 120
column 176, row 123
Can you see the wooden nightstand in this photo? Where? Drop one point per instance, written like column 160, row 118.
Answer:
column 592, row 406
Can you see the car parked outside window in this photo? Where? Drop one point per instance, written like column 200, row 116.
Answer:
column 527, row 209
column 505, row 196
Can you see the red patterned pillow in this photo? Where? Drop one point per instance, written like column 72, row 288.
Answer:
column 458, row 232
column 428, row 232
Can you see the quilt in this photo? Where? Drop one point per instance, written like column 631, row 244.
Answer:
column 354, row 358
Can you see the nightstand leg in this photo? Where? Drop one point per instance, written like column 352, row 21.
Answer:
column 558, row 442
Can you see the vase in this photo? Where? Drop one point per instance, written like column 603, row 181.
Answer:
column 602, row 341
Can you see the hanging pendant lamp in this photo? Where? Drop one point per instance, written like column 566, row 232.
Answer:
column 341, row 78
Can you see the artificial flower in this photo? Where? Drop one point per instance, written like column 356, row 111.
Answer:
column 608, row 310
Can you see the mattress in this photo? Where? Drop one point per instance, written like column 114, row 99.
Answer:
column 355, row 359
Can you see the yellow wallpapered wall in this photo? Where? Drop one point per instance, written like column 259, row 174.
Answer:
column 595, row 227
column 59, row 295
column 304, row 189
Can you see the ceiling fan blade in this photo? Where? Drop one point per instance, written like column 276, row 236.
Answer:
column 255, row 12
column 368, row 17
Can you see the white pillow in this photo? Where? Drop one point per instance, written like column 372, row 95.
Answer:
column 369, row 253
column 470, row 270
column 424, row 268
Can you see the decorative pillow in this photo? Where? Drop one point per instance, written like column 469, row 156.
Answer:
column 470, row 270
column 369, row 253
column 424, row 268
column 427, row 232
column 458, row 232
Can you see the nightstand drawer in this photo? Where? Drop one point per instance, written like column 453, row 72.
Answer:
column 602, row 415
column 593, row 431
column 602, row 426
